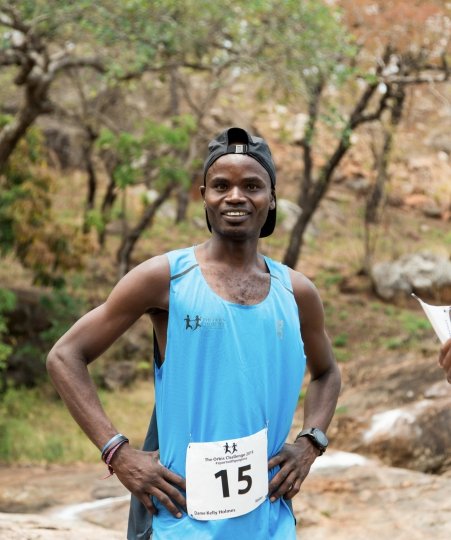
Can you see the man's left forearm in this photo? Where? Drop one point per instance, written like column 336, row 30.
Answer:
column 321, row 398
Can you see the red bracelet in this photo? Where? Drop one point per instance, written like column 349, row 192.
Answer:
column 110, row 454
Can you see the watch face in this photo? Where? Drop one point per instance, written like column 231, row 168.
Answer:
column 320, row 437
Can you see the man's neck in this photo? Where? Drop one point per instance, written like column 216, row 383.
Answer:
column 237, row 254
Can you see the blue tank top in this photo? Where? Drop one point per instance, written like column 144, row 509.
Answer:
column 230, row 370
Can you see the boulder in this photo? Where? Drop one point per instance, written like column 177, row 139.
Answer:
column 119, row 374
column 426, row 274
column 416, row 436
column 373, row 502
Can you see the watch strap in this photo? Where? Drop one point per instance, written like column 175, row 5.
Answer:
column 310, row 433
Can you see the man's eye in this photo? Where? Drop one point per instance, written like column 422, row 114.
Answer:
column 252, row 187
column 220, row 186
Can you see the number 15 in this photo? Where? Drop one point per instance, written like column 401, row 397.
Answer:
column 241, row 478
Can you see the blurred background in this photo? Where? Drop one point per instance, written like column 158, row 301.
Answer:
column 106, row 109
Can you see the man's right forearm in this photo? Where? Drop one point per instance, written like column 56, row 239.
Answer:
column 71, row 379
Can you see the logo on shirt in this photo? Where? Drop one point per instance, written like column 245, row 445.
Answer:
column 193, row 322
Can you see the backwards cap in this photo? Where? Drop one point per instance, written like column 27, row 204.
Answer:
column 236, row 140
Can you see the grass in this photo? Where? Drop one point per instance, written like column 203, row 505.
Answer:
column 36, row 427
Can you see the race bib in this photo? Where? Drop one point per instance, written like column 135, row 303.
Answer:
column 226, row 478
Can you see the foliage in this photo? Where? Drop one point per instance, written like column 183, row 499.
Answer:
column 27, row 223
column 303, row 44
column 155, row 150
column 7, row 303
column 62, row 309
column 44, row 320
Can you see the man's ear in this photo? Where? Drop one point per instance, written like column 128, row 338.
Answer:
column 272, row 204
column 202, row 191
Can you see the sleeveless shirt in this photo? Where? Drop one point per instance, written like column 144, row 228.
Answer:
column 230, row 370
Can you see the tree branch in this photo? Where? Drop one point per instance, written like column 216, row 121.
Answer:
column 71, row 62
column 416, row 79
column 10, row 18
column 306, row 143
column 9, row 57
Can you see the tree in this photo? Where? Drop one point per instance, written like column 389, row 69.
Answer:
column 160, row 159
column 308, row 51
column 28, row 227
column 38, row 60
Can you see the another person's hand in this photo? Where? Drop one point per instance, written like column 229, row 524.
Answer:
column 143, row 474
column 444, row 359
column 295, row 461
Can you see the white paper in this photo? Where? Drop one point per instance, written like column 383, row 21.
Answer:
column 439, row 317
column 226, row 478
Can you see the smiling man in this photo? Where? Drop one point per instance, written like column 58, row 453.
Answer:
column 234, row 332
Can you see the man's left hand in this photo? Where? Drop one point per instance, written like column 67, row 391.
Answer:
column 295, row 461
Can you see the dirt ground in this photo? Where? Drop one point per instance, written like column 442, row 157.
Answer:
column 363, row 502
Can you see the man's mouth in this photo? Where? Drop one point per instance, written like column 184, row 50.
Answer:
column 235, row 213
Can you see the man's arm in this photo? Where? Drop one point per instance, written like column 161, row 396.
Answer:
column 445, row 359
column 147, row 286
column 321, row 398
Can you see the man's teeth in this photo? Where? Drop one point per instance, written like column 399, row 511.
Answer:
column 236, row 213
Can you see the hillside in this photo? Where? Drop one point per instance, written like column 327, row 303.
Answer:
column 389, row 468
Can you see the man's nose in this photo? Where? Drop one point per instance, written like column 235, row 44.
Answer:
column 235, row 194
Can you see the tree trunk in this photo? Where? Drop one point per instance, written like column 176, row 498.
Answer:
column 125, row 251
column 375, row 198
column 107, row 204
column 92, row 179
column 12, row 133
column 382, row 161
column 182, row 204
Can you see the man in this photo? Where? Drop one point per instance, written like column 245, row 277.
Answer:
column 234, row 331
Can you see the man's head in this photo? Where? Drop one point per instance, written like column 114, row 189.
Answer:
column 238, row 141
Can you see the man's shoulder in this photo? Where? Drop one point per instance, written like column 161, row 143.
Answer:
column 303, row 288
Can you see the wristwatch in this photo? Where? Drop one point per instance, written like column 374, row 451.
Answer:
column 317, row 438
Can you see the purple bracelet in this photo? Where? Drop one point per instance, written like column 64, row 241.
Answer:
column 111, row 453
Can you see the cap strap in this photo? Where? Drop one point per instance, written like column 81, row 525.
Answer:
column 237, row 149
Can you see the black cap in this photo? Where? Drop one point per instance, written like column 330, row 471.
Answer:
column 236, row 140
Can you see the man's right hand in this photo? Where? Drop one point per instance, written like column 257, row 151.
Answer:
column 144, row 476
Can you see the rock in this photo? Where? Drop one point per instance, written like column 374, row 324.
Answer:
column 344, row 497
column 166, row 210
column 119, row 374
column 426, row 274
column 441, row 142
column 373, row 502
column 295, row 127
column 416, row 436
column 65, row 144
column 438, row 390
column 359, row 184
column 432, row 210
column 35, row 527
column 25, row 324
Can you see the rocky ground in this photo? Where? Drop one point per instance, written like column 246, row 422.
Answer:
column 394, row 409
column 345, row 496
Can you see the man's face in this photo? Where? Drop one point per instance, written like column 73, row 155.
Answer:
column 237, row 196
